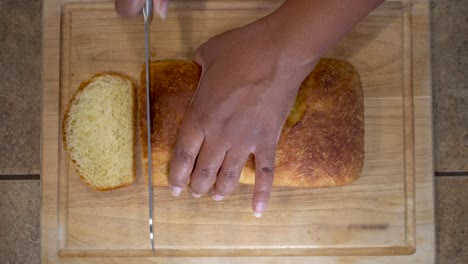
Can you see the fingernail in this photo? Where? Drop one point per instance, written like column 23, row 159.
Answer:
column 195, row 195
column 163, row 9
column 259, row 208
column 176, row 190
column 217, row 197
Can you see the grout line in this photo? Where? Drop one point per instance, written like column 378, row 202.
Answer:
column 20, row 177
column 450, row 173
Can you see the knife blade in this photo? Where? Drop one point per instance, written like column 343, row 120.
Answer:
column 147, row 15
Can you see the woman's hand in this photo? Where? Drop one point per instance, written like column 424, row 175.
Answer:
column 131, row 8
column 244, row 96
column 249, row 82
column 248, row 85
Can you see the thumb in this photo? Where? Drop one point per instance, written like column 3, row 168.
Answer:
column 160, row 8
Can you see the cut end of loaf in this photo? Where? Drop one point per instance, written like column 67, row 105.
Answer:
column 99, row 131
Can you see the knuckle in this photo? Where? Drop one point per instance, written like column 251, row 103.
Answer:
column 185, row 156
column 230, row 176
column 268, row 170
column 261, row 192
column 207, row 173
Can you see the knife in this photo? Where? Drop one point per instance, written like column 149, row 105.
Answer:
column 147, row 15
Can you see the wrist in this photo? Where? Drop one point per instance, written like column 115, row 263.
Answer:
column 305, row 29
column 297, row 46
column 290, row 53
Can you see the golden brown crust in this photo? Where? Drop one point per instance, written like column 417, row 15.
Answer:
column 321, row 144
column 326, row 147
column 73, row 100
column 173, row 83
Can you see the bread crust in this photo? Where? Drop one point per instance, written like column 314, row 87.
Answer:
column 321, row 144
column 173, row 83
column 325, row 147
column 73, row 100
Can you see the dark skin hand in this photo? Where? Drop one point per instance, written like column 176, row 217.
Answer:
column 249, row 82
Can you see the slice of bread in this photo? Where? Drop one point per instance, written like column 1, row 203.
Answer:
column 98, row 131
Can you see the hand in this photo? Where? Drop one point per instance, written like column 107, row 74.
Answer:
column 131, row 8
column 245, row 93
column 249, row 81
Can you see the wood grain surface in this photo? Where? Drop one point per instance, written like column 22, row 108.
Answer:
column 386, row 214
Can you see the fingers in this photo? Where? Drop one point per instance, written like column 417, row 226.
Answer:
column 131, row 8
column 264, row 174
column 208, row 163
column 229, row 174
column 188, row 144
column 128, row 8
column 160, row 8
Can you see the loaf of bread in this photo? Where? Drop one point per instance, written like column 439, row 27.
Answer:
column 322, row 141
column 99, row 131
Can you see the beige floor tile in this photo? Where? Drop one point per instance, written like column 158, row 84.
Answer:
column 452, row 219
column 20, row 86
column 19, row 221
column 449, row 40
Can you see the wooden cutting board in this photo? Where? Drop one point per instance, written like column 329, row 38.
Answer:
column 387, row 213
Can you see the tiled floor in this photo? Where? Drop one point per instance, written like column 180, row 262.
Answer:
column 19, row 222
column 449, row 19
column 449, row 44
column 20, row 45
column 452, row 219
column 20, row 90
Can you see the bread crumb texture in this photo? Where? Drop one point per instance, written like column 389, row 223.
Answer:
column 99, row 132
